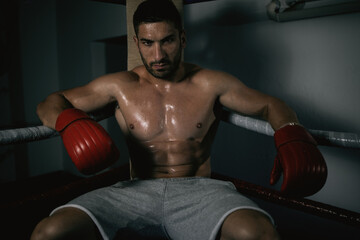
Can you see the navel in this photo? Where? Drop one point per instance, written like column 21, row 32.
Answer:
column 199, row 125
column 131, row 126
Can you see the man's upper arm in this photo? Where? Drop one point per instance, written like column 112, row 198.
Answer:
column 236, row 96
column 94, row 95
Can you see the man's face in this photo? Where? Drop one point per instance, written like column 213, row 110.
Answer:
column 160, row 45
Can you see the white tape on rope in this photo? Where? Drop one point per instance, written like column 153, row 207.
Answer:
column 327, row 138
column 340, row 139
column 22, row 135
column 252, row 124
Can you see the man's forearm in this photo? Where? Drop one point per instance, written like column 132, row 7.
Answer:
column 49, row 109
column 278, row 114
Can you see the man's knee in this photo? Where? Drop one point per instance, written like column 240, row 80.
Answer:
column 257, row 229
column 46, row 229
column 248, row 224
column 66, row 224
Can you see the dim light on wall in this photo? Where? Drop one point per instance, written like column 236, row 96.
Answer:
column 290, row 10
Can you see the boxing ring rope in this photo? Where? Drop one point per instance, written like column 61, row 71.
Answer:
column 325, row 138
column 30, row 134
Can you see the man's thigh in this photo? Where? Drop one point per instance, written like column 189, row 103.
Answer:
column 66, row 223
column 247, row 224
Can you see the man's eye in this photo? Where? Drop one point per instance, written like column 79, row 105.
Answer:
column 169, row 40
column 147, row 43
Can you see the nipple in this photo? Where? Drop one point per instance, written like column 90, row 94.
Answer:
column 199, row 125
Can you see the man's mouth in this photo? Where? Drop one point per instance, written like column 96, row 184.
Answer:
column 159, row 66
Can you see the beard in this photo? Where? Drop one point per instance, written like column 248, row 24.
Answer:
column 170, row 66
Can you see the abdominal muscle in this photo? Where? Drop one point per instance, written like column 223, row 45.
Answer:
column 169, row 159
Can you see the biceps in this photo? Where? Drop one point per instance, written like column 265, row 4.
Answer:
column 86, row 98
column 245, row 100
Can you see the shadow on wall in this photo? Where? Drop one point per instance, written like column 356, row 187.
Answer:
column 222, row 40
column 297, row 62
column 116, row 60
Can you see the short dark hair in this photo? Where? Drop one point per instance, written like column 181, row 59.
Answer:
column 151, row 11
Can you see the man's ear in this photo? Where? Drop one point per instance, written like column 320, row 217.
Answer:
column 183, row 39
column 136, row 40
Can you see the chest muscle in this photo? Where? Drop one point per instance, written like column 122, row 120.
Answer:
column 181, row 114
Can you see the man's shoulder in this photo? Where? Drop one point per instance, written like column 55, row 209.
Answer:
column 120, row 77
column 203, row 74
column 196, row 69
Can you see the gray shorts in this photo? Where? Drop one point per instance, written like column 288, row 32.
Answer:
column 167, row 208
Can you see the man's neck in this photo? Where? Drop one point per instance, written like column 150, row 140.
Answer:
column 178, row 76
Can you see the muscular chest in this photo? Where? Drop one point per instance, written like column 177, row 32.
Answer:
column 180, row 114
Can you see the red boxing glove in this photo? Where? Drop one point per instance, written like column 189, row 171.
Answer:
column 86, row 141
column 301, row 162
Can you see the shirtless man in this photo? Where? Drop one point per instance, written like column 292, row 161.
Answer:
column 168, row 111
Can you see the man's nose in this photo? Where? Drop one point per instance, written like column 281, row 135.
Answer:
column 159, row 52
